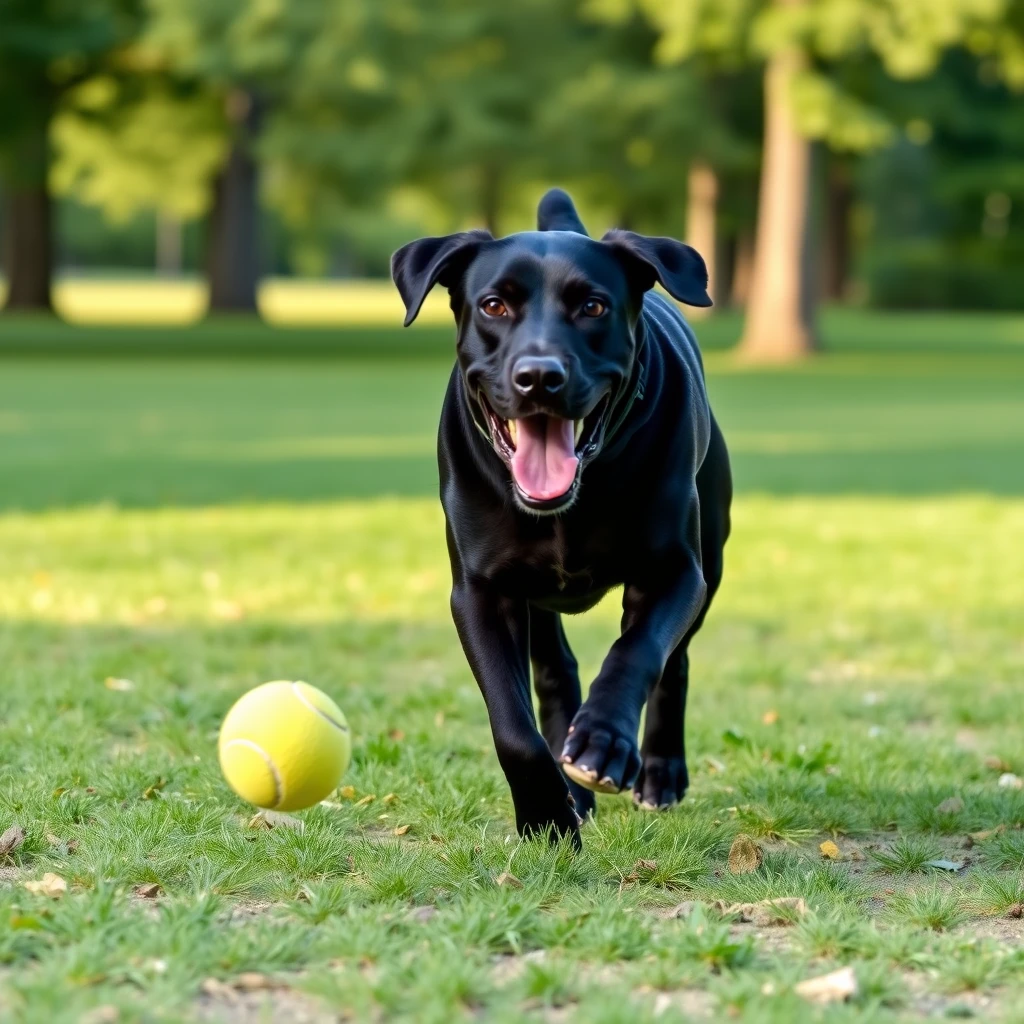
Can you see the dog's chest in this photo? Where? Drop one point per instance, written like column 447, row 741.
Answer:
column 565, row 566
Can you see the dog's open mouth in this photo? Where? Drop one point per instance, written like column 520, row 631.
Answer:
column 544, row 452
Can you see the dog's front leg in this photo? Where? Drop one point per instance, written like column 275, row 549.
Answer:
column 601, row 749
column 494, row 631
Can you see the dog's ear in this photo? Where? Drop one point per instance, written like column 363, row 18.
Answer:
column 418, row 266
column 677, row 267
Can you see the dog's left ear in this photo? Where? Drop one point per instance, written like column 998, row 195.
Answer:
column 418, row 266
column 677, row 267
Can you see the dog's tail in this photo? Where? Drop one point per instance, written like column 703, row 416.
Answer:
column 556, row 213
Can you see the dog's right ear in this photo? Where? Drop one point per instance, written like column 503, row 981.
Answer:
column 418, row 266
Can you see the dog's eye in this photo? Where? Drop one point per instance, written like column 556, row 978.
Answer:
column 493, row 306
column 593, row 307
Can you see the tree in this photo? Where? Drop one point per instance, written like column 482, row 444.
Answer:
column 46, row 50
column 806, row 45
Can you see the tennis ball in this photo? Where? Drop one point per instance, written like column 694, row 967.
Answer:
column 284, row 746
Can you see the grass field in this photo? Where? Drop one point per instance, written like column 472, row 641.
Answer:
column 187, row 527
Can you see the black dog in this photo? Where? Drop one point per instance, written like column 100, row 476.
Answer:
column 577, row 452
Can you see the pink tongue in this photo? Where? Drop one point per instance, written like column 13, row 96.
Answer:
column 544, row 463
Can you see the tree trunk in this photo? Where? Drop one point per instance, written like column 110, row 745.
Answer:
column 780, row 315
column 742, row 270
column 28, row 222
column 702, row 218
column 233, row 264
column 168, row 244
column 839, row 201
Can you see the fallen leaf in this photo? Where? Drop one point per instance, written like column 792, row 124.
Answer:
column 275, row 819
column 951, row 805
column 997, row 764
column 148, row 891
column 368, row 799
column 118, row 685
column 11, row 840
column 401, row 830
column 645, row 865
column 830, row 851
column 765, row 913
column 347, row 792
column 151, row 791
column 49, row 885
column 944, row 865
column 714, row 765
column 988, row 833
column 216, row 989
column 390, row 798
column 684, row 909
column 64, row 846
column 251, row 981
column 1010, row 781
column 770, row 717
column 1016, row 912
column 397, row 735
column 838, row 986
column 745, row 855
column 506, row 878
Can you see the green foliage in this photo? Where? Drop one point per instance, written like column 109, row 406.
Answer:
column 138, row 144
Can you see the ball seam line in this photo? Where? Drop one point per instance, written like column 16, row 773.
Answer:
column 312, row 707
column 274, row 774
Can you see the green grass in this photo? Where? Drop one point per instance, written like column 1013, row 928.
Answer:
column 200, row 526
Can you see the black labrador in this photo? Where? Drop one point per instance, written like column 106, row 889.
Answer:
column 577, row 452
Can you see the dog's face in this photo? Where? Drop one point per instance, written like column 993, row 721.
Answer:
column 547, row 338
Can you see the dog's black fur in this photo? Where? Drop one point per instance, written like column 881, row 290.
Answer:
column 648, row 509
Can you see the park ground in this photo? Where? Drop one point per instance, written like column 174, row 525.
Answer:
column 187, row 512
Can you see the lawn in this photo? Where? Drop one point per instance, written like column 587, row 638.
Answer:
column 178, row 526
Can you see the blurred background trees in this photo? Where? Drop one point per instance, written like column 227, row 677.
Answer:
column 851, row 150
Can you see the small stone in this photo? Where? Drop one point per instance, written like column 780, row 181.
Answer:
column 11, row 840
column 951, row 805
column 1010, row 781
column 835, row 987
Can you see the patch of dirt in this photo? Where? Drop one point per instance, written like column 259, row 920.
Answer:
column 225, row 1005
column 937, row 1004
column 999, row 927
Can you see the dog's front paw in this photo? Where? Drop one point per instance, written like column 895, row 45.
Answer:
column 600, row 754
column 557, row 822
column 661, row 783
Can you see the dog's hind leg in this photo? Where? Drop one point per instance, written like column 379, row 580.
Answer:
column 663, row 776
column 556, row 679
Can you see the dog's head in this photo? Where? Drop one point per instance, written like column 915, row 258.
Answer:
column 547, row 334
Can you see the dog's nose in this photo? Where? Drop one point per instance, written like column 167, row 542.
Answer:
column 538, row 375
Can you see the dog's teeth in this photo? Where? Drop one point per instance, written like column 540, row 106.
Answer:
column 578, row 430
column 513, row 431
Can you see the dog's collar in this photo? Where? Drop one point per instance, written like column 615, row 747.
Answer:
column 636, row 394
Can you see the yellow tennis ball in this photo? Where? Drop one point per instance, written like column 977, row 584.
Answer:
column 284, row 746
